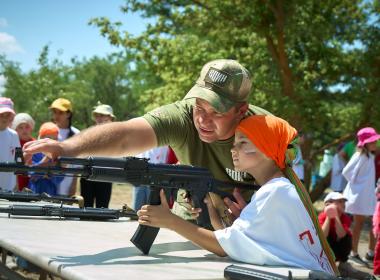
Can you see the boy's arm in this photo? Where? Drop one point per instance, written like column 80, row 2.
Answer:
column 326, row 227
column 161, row 216
column 339, row 229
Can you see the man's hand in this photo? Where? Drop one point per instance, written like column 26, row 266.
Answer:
column 157, row 215
column 235, row 208
column 51, row 148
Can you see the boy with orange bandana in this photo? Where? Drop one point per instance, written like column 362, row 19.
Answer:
column 45, row 183
column 278, row 226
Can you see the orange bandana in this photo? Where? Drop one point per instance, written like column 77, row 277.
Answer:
column 48, row 128
column 271, row 135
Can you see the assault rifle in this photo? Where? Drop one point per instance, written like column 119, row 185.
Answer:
column 87, row 213
column 196, row 181
column 30, row 196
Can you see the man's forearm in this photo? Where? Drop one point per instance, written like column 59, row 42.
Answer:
column 112, row 139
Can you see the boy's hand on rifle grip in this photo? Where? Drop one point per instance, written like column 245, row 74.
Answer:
column 51, row 148
column 157, row 215
column 235, row 208
column 214, row 216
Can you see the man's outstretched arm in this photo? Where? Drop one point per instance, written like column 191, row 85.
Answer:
column 112, row 139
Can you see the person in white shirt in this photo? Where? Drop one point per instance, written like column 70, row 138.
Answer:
column 360, row 190
column 62, row 112
column 326, row 163
column 338, row 182
column 9, row 141
column 275, row 228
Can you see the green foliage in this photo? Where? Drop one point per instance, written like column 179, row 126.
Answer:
column 83, row 83
column 296, row 50
column 303, row 55
column 314, row 63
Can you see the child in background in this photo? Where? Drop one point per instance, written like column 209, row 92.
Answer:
column 98, row 193
column 377, row 160
column 8, row 142
column 23, row 123
column 376, row 231
column 335, row 225
column 45, row 183
column 360, row 190
column 62, row 115
column 278, row 227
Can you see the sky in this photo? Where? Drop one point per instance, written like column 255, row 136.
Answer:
column 26, row 26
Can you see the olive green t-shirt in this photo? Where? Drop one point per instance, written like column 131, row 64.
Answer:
column 173, row 125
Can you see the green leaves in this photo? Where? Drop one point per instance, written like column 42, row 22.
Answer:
column 314, row 63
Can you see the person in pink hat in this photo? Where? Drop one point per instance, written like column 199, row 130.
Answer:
column 360, row 190
column 9, row 142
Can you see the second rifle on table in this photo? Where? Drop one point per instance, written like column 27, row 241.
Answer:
column 26, row 196
column 87, row 213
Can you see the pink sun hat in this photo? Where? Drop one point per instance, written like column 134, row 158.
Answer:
column 6, row 105
column 367, row 135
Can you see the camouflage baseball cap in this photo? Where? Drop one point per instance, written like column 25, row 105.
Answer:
column 223, row 83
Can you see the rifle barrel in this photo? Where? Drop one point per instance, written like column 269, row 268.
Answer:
column 49, row 170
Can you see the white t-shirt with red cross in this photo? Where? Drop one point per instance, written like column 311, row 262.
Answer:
column 275, row 229
column 9, row 141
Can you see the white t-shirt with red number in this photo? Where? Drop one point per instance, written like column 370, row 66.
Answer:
column 275, row 229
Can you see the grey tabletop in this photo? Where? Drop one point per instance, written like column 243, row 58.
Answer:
column 76, row 249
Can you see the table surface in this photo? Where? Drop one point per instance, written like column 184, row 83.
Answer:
column 75, row 249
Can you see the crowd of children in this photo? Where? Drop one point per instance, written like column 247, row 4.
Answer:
column 353, row 199
column 17, row 129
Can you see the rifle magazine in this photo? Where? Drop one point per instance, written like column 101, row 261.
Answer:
column 144, row 237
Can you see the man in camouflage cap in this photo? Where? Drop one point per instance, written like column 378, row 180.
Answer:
column 199, row 128
column 222, row 83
